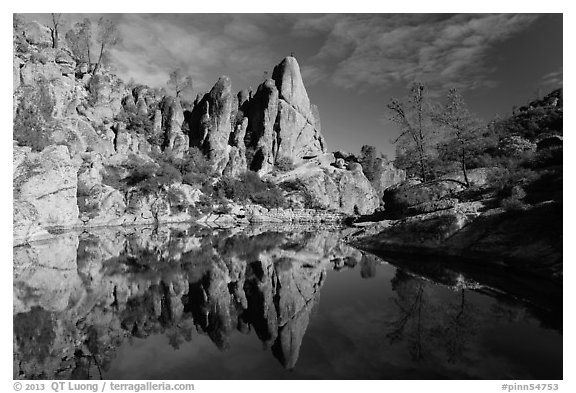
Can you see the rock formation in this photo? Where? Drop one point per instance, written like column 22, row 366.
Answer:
column 45, row 187
column 211, row 126
column 103, row 133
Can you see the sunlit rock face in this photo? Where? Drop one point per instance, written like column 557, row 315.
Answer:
column 45, row 186
column 82, row 294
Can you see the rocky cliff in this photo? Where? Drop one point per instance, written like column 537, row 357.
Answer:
column 91, row 151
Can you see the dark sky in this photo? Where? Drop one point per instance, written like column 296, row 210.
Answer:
column 353, row 64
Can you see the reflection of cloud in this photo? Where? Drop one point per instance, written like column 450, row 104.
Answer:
column 553, row 79
column 440, row 50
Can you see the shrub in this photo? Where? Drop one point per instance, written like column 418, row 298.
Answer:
column 146, row 176
column 297, row 186
column 95, row 87
column 196, row 169
column 513, row 202
column 503, row 180
column 177, row 200
column 249, row 187
column 284, row 164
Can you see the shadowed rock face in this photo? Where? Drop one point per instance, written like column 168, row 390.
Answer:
column 210, row 123
column 81, row 295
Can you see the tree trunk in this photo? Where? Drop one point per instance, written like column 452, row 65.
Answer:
column 88, row 52
column 99, row 60
column 54, row 36
column 464, row 168
column 422, row 163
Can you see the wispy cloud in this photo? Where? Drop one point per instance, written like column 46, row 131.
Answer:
column 552, row 79
column 381, row 50
column 204, row 46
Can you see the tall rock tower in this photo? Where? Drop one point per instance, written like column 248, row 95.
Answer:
column 278, row 120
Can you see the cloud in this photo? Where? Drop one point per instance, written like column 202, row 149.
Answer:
column 382, row 50
column 312, row 74
column 552, row 79
column 204, row 46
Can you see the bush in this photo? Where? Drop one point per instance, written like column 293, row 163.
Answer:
column 503, row 180
column 297, row 186
column 146, row 176
column 33, row 123
column 249, row 187
column 284, row 164
column 513, row 203
column 196, row 169
column 95, row 87
column 177, row 200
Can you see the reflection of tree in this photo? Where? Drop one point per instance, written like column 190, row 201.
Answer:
column 35, row 333
column 457, row 327
column 368, row 265
column 445, row 328
column 410, row 294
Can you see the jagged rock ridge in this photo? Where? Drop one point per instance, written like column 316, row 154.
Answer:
column 105, row 130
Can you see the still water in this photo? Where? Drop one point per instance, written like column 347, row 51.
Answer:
column 262, row 303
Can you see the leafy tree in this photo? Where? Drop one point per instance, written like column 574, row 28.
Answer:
column 371, row 162
column 462, row 131
column 107, row 37
column 79, row 40
column 57, row 23
column 415, row 129
column 180, row 82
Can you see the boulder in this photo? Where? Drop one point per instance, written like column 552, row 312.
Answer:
column 340, row 163
column 549, row 141
column 398, row 199
column 334, row 189
column 387, row 176
column 33, row 73
column 142, row 108
column 37, row 34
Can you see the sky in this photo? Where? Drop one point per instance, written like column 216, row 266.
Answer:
column 352, row 64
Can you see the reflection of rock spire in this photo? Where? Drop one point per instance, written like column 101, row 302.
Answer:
column 156, row 283
column 286, row 348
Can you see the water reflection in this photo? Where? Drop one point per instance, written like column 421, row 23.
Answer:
column 107, row 303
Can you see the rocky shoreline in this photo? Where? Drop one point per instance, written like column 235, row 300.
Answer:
column 527, row 242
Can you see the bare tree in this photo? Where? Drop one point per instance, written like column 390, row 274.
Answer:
column 414, row 130
column 180, row 82
column 54, row 30
column 108, row 36
column 462, row 128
